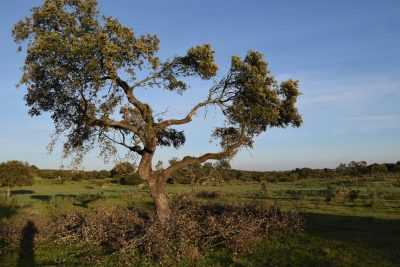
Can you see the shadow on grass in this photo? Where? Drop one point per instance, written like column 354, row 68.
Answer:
column 65, row 195
column 7, row 211
column 26, row 255
column 380, row 234
column 83, row 201
column 22, row 192
column 41, row 197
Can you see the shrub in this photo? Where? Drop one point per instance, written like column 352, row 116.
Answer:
column 208, row 194
column 194, row 228
column 353, row 195
column 130, row 179
column 294, row 194
column 330, row 193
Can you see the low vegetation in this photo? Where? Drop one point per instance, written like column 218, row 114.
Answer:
column 339, row 220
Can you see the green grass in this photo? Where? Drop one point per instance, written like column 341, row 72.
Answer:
column 362, row 232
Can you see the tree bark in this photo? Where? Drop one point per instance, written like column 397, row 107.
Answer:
column 159, row 195
column 156, row 185
column 8, row 192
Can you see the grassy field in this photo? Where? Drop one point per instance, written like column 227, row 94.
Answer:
column 354, row 224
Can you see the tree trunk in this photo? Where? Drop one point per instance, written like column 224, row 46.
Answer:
column 157, row 190
column 156, row 184
column 8, row 192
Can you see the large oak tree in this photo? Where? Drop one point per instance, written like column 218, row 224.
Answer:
column 84, row 70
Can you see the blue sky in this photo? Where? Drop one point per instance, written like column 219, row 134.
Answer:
column 346, row 55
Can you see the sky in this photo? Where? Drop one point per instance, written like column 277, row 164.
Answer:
column 346, row 55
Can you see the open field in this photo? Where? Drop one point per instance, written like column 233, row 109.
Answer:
column 341, row 229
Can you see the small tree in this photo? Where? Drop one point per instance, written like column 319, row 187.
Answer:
column 123, row 168
column 83, row 69
column 15, row 173
column 378, row 168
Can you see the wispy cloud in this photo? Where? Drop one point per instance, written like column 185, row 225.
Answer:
column 357, row 90
column 376, row 118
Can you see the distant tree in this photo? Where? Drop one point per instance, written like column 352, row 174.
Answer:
column 83, row 68
column 222, row 164
column 358, row 167
column 341, row 168
column 397, row 167
column 378, row 168
column 15, row 173
column 123, row 168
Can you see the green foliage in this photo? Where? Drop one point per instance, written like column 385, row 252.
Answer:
column 122, row 168
column 73, row 68
column 16, row 173
column 126, row 173
column 130, row 179
column 378, row 168
column 65, row 175
column 353, row 195
column 71, row 52
column 330, row 193
column 254, row 100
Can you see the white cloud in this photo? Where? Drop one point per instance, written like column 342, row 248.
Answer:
column 355, row 90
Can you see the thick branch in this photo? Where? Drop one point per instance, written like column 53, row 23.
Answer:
column 119, row 125
column 131, row 97
column 188, row 118
column 188, row 160
column 128, row 90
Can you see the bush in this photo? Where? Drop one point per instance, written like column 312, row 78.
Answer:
column 130, row 179
column 330, row 193
column 194, row 228
column 353, row 195
column 208, row 194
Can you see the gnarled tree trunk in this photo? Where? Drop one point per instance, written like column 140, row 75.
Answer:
column 156, row 183
column 159, row 195
column 8, row 194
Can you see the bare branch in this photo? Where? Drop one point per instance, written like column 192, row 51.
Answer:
column 135, row 148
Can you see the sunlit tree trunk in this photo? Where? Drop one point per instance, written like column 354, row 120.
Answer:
column 8, row 192
column 156, row 185
column 159, row 195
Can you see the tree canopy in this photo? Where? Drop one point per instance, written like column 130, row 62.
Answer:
column 84, row 69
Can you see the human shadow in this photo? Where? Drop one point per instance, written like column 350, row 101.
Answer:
column 26, row 255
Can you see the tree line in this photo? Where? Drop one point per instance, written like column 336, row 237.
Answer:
column 17, row 173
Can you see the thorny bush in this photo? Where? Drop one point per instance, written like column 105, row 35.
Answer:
column 194, row 229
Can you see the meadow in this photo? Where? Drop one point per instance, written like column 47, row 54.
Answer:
column 346, row 223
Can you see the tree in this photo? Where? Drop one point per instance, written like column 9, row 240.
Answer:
column 123, row 168
column 378, row 168
column 222, row 164
column 15, row 173
column 83, row 69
